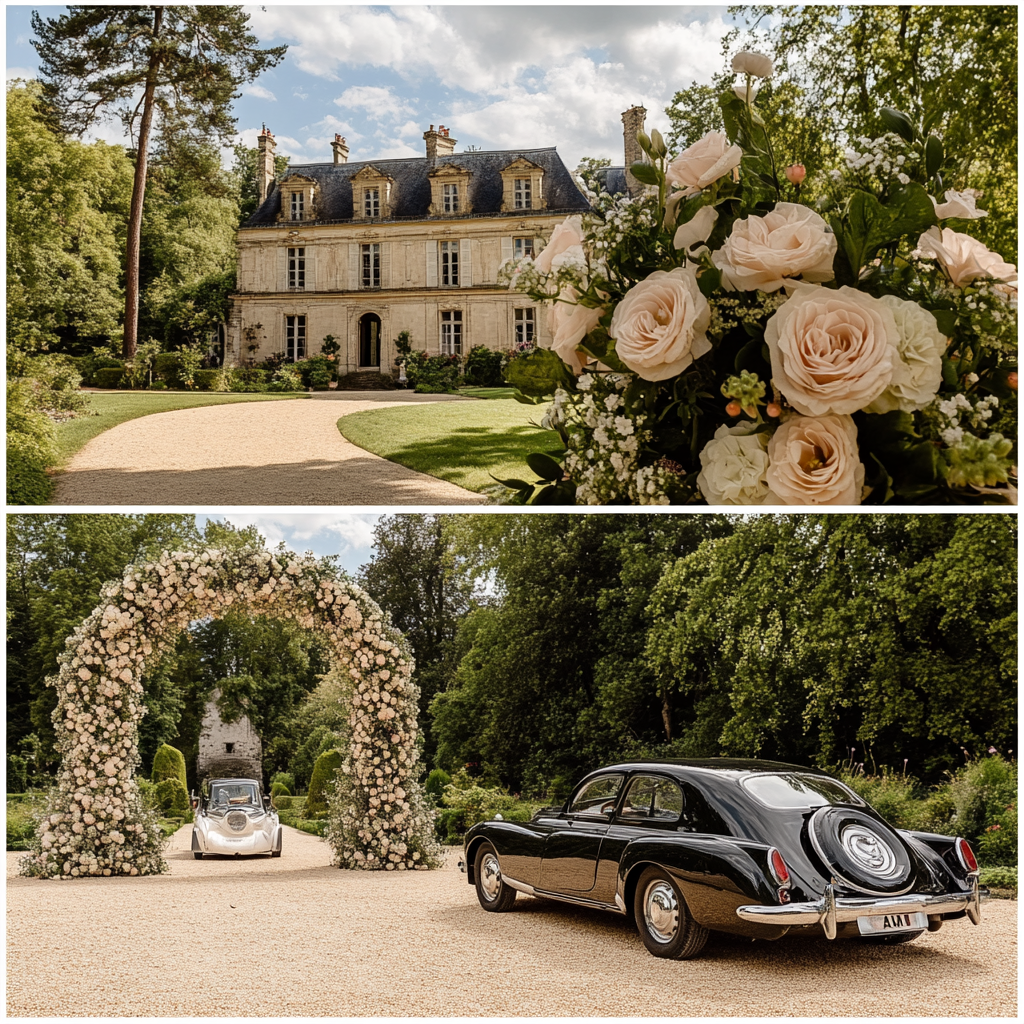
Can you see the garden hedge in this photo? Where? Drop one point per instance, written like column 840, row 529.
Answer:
column 321, row 783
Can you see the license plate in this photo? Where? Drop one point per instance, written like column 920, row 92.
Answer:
column 886, row 924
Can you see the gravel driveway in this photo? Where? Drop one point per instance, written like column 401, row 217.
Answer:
column 296, row 937
column 251, row 453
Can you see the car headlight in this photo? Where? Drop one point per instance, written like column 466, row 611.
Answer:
column 236, row 821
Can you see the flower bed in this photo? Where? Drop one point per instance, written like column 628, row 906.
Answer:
column 717, row 338
column 96, row 822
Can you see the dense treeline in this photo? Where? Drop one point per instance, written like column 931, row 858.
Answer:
column 548, row 644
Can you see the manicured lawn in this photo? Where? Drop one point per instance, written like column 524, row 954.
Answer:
column 475, row 392
column 116, row 407
column 463, row 442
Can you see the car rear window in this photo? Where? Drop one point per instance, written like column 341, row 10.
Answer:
column 793, row 790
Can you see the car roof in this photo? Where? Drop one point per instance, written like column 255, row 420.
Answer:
column 255, row 782
column 681, row 767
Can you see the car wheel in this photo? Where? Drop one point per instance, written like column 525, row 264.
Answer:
column 197, row 854
column 663, row 919
column 491, row 890
column 892, row 940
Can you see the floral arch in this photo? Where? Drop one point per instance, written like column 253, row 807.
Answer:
column 96, row 823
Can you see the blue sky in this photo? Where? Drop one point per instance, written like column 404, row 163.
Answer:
column 498, row 77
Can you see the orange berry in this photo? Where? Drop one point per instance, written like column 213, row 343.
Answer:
column 733, row 408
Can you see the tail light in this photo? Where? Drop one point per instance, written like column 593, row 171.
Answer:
column 966, row 855
column 778, row 868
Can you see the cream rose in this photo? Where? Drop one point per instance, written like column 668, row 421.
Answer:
column 733, row 467
column 763, row 253
column 567, row 237
column 569, row 323
column 813, row 460
column 696, row 229
column 659, row 326
column 920, row 347
column 964, row 258
column 750, row 62
column 959, row 204
column 707, row 160
column 833, row 351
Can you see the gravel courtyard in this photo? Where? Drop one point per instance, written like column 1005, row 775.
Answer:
column 295, row 937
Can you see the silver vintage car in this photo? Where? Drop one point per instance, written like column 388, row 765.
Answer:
column 234, row 818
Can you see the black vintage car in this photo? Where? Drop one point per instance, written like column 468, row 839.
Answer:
column 755, row 848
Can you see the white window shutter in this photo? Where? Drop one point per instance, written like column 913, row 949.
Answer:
column 310, row 268
column 465, row 263
column 385, row 265
column 506, row 249
column 432, row 264
column 353, row 266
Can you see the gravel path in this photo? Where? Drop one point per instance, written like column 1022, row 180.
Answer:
column 296, row 937
column 251, row 453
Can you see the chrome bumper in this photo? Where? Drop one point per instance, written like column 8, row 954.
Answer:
column 829, row 911
column 229, row 846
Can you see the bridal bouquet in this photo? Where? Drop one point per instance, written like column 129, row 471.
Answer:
column 716, row 339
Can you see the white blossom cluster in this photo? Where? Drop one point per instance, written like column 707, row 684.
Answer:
column 96, row 823
column 950, row 414
column 882, row 158
column 621, row 216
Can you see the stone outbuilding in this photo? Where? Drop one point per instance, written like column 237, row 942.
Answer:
column 227, row 750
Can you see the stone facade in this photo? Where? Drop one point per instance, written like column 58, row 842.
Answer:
column 364, row 250
column 227, row 750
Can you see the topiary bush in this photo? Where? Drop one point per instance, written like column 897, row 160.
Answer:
column 999, row 878
column 108, row 377
column 483, row 368
column 321, row 783
column 436, row 782
column 279, row 789
column 172, row 798
column 169, row 763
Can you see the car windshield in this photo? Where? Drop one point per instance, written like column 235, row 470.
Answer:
column 797, row 790
column 233, row 794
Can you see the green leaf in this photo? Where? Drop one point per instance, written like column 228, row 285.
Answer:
column 545, row 467
column 949, row 373
column 868, row 225
column 911, row 212
column 898, row 122
column 512, row 484
column 880, row 483
column 709, row 282
column 523, row 399
column 933, row 155
column 946, row 319
column 645, row 174
column 749, row 356
column 538, row 374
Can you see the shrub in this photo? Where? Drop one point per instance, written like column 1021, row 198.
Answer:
column 285, row 778
column 165, row 368
column 169, row 763
column 31, row 447
column 282, row 802
column 285, row 379
column 172, row 798
column 210, row 380
column 97, row 360
column 279, row 789
column 998, row 843
column 319, row 740
column 1000, row 877
column 316, row 371
column 483, row 367
column 436, row 782
column 891, row 794
column 432, row 374
column 982, row 791
column 21, row 825
column 56, row 381
column 321, row 783
column 108, row 377
column 249, row 379
column 189, row 362
column 466, row 803
column 158, row 385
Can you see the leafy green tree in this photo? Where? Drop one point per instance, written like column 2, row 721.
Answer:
column 246, row 179
column 186, row 62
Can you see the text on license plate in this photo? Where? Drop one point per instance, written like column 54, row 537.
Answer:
column 884, row 924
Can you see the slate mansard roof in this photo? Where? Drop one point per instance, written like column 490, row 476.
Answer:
column 411, row 189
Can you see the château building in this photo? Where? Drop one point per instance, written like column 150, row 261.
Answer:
column 363, row 250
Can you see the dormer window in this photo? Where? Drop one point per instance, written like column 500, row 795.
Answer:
column 450, row 198
column 298, row 206
column 523, row 194
column 522, row 186
column 373, row 195
column 371, row 202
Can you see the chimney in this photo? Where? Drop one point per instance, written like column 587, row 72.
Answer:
column 633, row 122
column 340, row 147
column 438, row 144
column 265, row 173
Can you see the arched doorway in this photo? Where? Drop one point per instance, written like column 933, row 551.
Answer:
column 369, row 341
column 97, row 823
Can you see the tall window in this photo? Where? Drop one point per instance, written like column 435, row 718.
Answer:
column 450, row 198
column 451, row 332
column 371, row 202
column 296, row 268
column 298, row 206
column 524, row 326
column 522, row 247
column 523, row 195
column 295, row 337
column 371, row 265
column 449, row 252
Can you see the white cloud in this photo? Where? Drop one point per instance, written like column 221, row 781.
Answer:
column 25, row 73
column 379, row 103
column 260, row 93
column 324, row 533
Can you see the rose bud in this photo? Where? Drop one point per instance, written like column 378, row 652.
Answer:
column 1011, row 380
column 733, row 408
column 774, row 410
column 796, row 173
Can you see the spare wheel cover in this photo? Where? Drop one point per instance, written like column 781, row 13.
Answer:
column 861, row 851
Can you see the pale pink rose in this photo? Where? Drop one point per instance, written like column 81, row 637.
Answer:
column 744, row 91
column 964, row 258
column 833, row 351
column 750, row 62
column 566, row 235
column 959, row 204
column 569, row 323
column 795, row 174
column 813, row 460
column 707, row 160
column 659, row 326
column 763, row 253
column 696, row 229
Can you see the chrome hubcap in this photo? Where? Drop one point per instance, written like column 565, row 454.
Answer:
column 868, row 851
column 490, row 876
column 661, row 911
